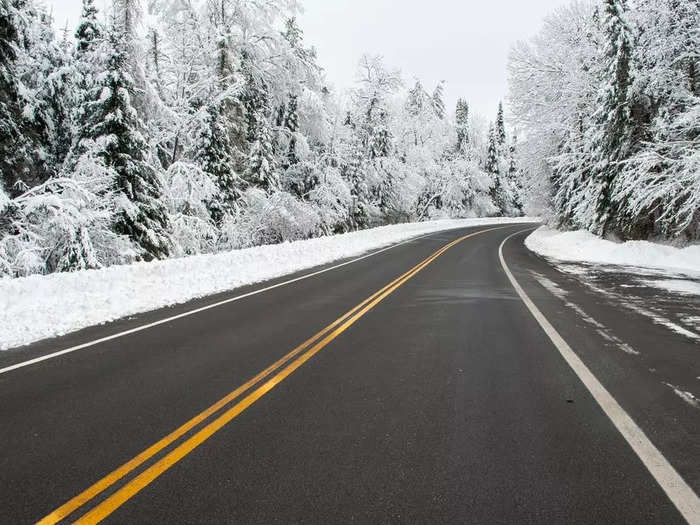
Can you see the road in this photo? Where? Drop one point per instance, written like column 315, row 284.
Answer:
column 439, row 399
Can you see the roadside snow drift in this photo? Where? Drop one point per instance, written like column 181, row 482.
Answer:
column 41, row 306
column 583, row 246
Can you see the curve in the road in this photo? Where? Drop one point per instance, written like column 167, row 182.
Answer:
column 311, row 347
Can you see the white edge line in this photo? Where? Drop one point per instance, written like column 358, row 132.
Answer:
column 59, row 353
column 675, row 487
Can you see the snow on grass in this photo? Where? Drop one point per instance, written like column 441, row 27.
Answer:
column 41, row 306
column 583, row 246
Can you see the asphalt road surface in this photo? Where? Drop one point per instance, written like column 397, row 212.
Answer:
column 438, row 398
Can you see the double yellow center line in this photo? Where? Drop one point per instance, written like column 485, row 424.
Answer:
column 293, row 360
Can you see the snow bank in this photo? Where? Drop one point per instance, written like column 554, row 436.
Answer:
column 680, row 286
column 41, row 306
column 583, row 246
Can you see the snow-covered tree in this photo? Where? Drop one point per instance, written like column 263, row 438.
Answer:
column 658, row 190
column 177, row 127
column 438, row 100
column 500, row 128
column 13, row 142
column 115, row 130
column 607, row 98
column 462, row 126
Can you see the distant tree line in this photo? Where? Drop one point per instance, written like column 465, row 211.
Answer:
column 208, row 126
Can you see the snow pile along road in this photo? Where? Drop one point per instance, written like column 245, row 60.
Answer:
column 41, row 306
column 583, row 246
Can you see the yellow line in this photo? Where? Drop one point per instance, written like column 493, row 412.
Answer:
column 111, row 478
column 108, row 506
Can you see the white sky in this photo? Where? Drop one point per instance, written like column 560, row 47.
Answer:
column 464, row 42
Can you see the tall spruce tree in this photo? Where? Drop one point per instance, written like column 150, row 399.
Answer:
column 500, row 129
column 87, row 61
column 493, row 168
column 262, row 170
column 462, row 126
column 89, row 30
column 213, row 152
column 438, row 100
column 291, row 125
column 611, row 140
column 13, row 153
column 46, row 83
column 114, row 128
column 515, row 177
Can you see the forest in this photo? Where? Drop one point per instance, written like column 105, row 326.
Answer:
column 607, row 98
column 170, row 128
column 183, row 127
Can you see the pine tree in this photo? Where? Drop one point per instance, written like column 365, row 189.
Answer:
column 87, row 61
column 13, row 154
column 262, row 169
column 88, row 31
column 500, row 129
column 213, row 152
column 611, row 141
column 438, row 100
column 116, row 131
column 658, row 189
column 353, row 170
column 462, row 126
column 48, row 83
column 417, row 99
column 514, row 177
column 291, row 124
column 155, row 74
column 492, row 167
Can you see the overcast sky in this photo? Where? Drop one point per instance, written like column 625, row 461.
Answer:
column 464, row 42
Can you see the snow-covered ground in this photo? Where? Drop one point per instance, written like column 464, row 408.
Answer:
column 582, row 246
column 657, row 281
column 676, row 270
column 41, row 306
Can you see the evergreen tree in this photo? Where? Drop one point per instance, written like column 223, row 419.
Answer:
column 500, row 129
column 514, row 177
column 88, row 31
column 155, row 54
column 213, row 151
column 291, row 124
column 261, row 166
column 87, row 61
column 354, row 172
column 417, row 99
column 13, row 153
column 116, row 132
column 611, row 140
column 462, row 126
column 492, row 167
column 657, row 189
column 438, row 100
column 47, row 81
column 262, row 169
